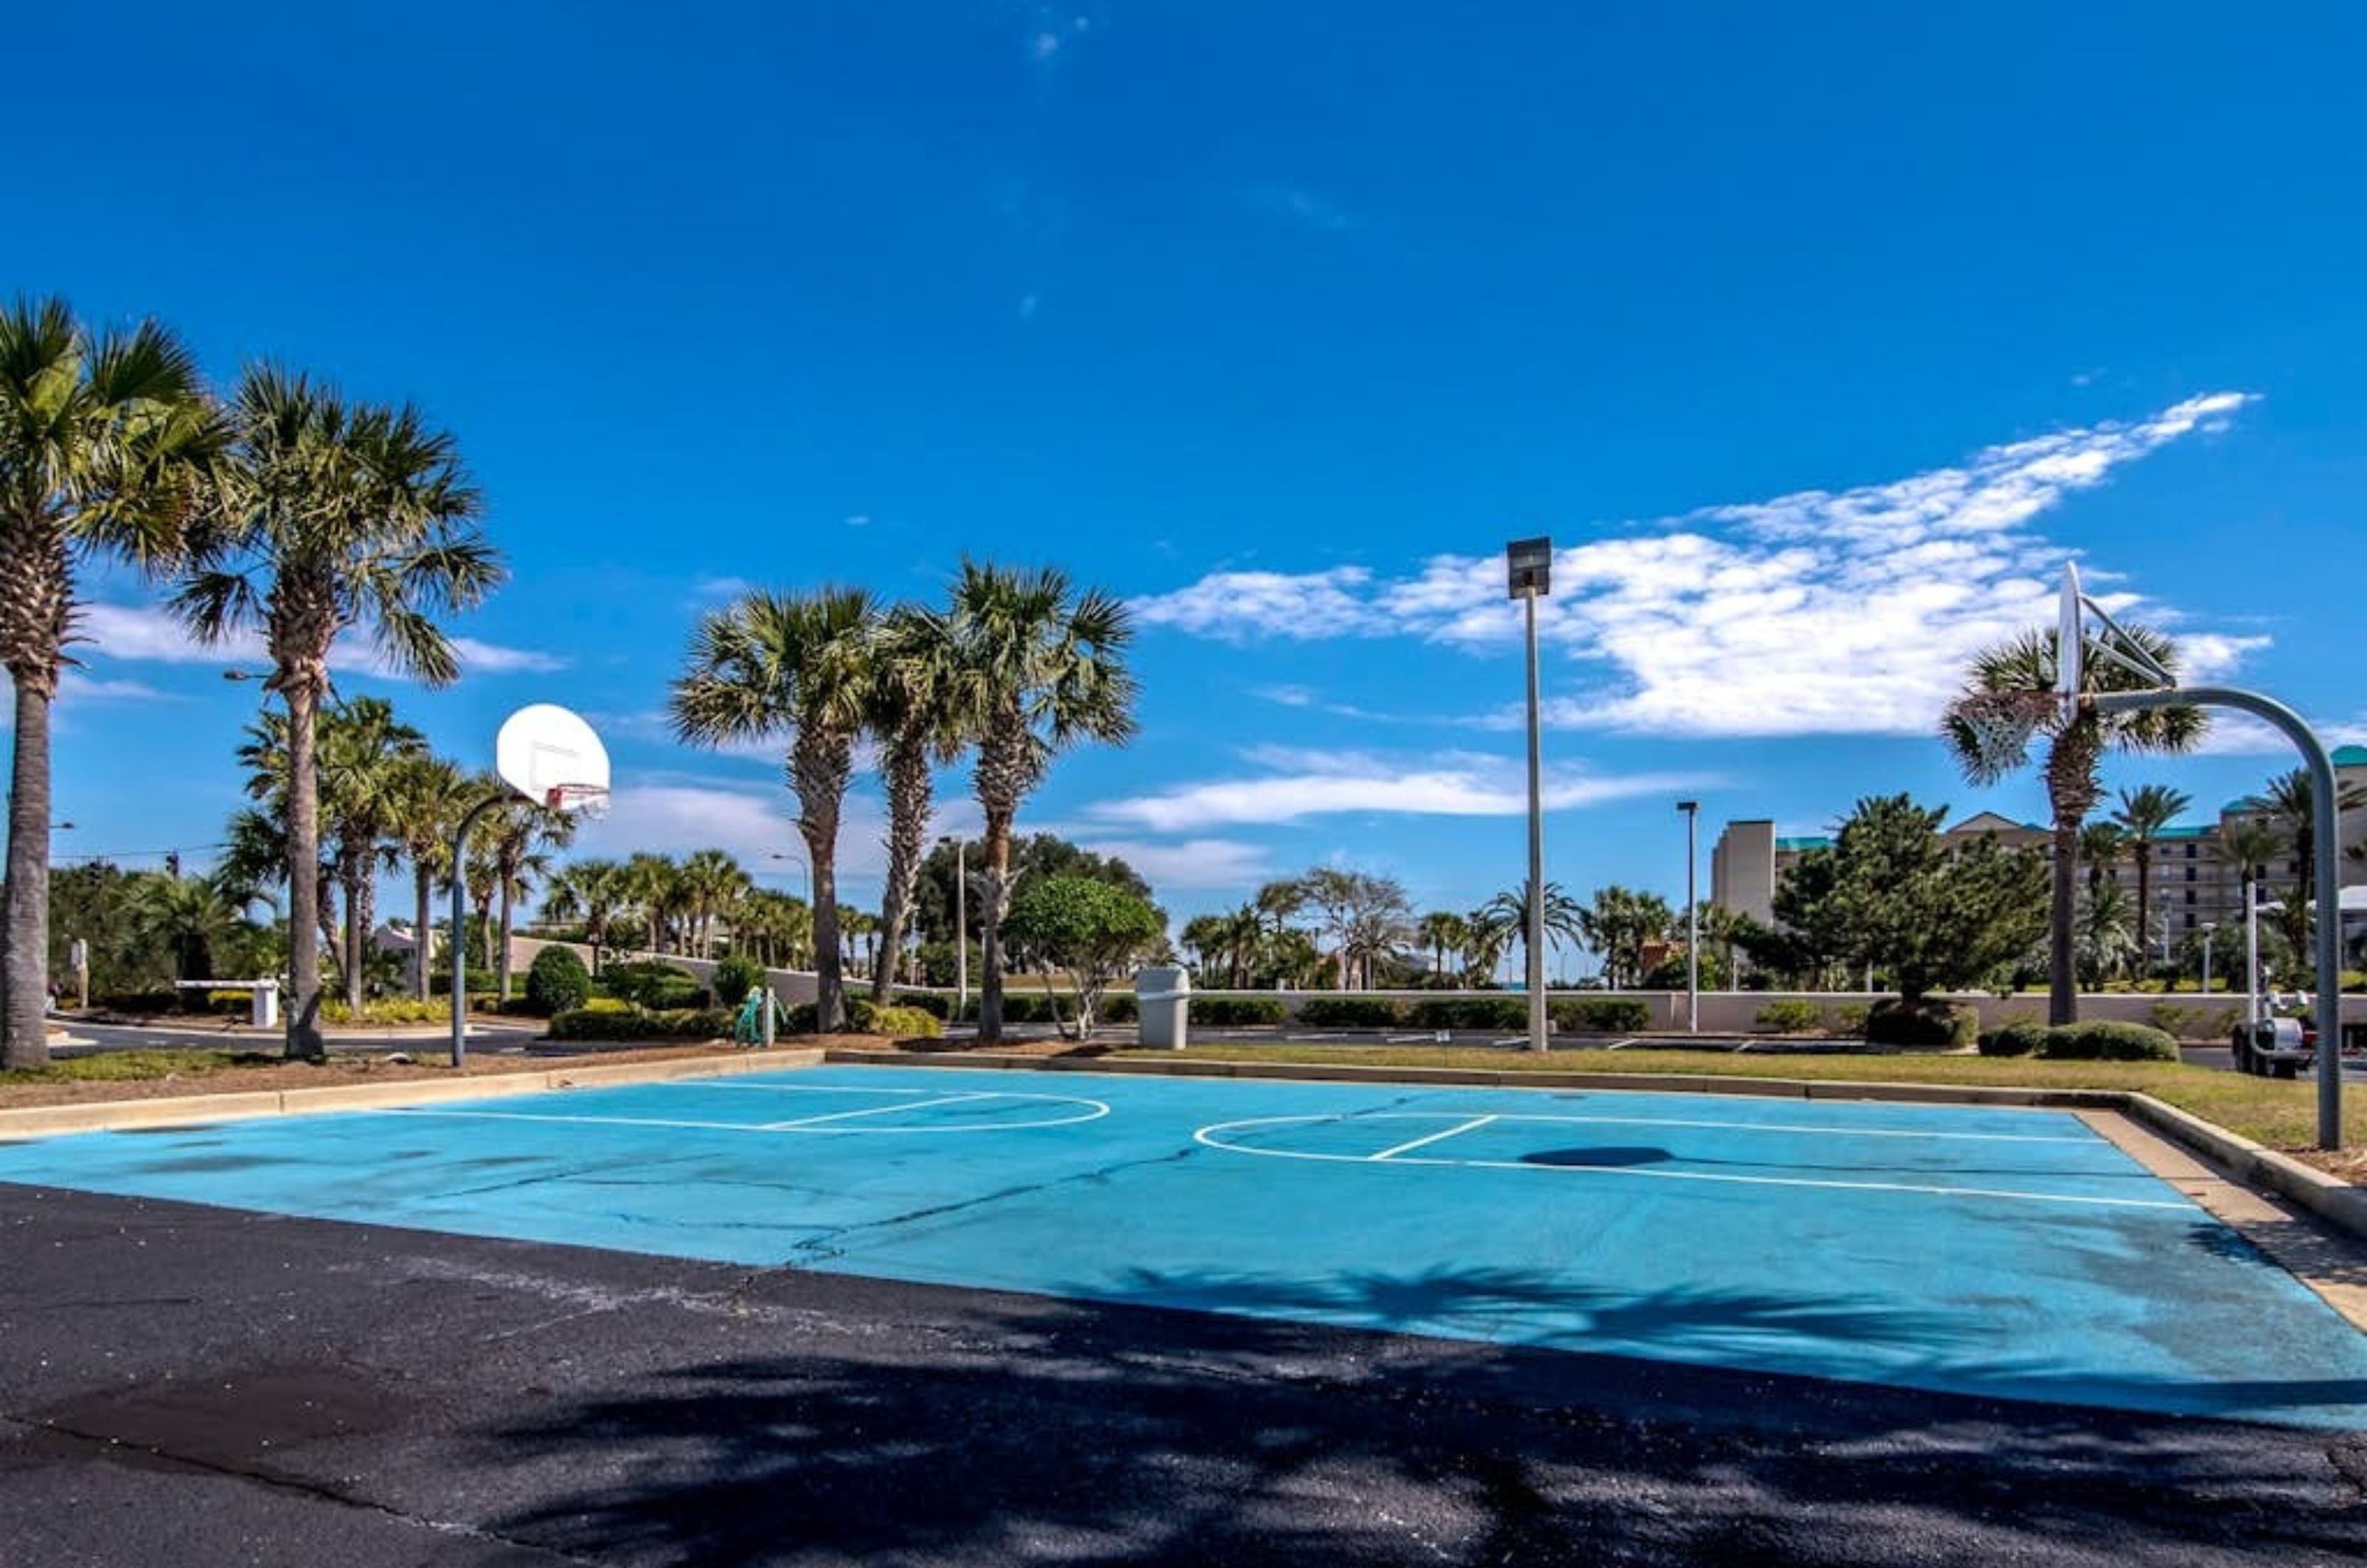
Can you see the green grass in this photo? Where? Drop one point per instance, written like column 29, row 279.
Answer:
column 2283, row 1115
column 122, row 1067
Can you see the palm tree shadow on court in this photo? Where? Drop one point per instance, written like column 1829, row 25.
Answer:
column 1131, row 1435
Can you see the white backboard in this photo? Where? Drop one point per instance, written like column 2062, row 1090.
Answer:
column 2070, row 636
column 548, row 754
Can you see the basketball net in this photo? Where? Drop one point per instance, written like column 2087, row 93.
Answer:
column 587, row 801
column 2000, row 724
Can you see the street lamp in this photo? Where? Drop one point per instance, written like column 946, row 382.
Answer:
column 2208, row 927
column 803, row 865
column 1692, row 808
column 1528, row 570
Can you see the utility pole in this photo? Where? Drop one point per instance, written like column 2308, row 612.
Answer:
column 1529, row 570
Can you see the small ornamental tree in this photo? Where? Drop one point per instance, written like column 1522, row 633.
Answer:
column 1093, row 930
column 557, row 982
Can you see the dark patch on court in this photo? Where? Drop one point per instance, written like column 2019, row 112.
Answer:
column 373, row 1397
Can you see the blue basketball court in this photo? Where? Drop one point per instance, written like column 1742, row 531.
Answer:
column 1998, row 1252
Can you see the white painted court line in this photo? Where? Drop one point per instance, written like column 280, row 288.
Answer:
column 875, row 1110
column 1083, row 1110
column 1808, row 1129
column 1434, row 1137
column 781, row 1088
column 567, row 1121
column 1925, row 1189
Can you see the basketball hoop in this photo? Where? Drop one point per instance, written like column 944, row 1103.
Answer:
column 589, row 802
column 1997, row 725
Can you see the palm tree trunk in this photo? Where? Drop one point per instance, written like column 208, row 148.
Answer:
column 422, row 931
column 830, row 985
column 304, row 1039
column 997, row 889
column 2145, row 903
column 24, row 1017
column 353, row 870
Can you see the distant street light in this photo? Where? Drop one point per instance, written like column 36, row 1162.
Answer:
column 804, row 864
column 2208, row 927
column 1692, row 808
column 1528, row 568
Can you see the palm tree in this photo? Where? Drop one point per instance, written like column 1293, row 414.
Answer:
column 1484, row 945
column 1203, row 937
column 2099, row 850
column 362, row 752
column 910, row 713
column 1037, row 667
column 1442, row 931
column 711, row 881
column 427, row 797
column 780, row 664
column 2292, row 801
column 104, row 442
column 2075, row 750
column 1618, row 925
column 2107, row 939
column 331, row 516
column 185, row 915
column 518, row 837
column 652, row 885
column 1508, row 912
column 2144, row 813
column 777, row 926
column 595, row 892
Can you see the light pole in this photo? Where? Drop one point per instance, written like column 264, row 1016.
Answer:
column 1528, row 566
column 2251, row 951
column 802, row 864
column 1692, row 808
column 2208, row 928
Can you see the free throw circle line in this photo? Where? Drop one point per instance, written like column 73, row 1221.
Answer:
column 1209, row 1137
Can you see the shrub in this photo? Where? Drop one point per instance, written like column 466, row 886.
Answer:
column 803, row 1019
column 2108, row 1041
column 735, row 977
column 1791, row 1015
column 936, row 1004
column 1601, row 1015
column 557, row 982
column 231, row 1004
column 591, row 1022
column 1849, row 1019
column 2354, row 980
column 1238, row 1012
column 903, row 1023
column 658, row 987
column 1033, row 1007
column 1508, row 1014
column 386, row 1011
column 1120, row 1009
column 1348, row 1012
column 1927, row 1023
column 2020, row 1037
column 439, row 981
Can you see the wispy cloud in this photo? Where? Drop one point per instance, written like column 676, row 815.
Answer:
column 1295, row 785
column 74, row 686
column 1192, row 863
column 149, row 633
column 677, row 815
column 1816, row 612
column 1308, row 208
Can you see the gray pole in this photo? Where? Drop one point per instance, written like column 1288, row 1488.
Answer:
column 2326, row 871
column 1537, row 850
column 2208, row 928
column 961, row 928
column 2251, row 951
column 460, row 927
column 1692, row 808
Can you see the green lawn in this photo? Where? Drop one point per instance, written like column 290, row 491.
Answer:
column 2283, row 1115
column 120, row 1067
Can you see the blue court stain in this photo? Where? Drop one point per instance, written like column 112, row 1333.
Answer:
column 2009, row 1253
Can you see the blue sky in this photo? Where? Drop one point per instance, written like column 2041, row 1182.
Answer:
column 1818, row 338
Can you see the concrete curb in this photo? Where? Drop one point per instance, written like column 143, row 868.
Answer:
column 42, row 1120
column 2336, row 1203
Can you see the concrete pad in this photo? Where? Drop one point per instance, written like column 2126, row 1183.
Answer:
column 39, row 1121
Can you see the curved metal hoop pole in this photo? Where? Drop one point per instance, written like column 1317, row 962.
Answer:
column 2325, row 873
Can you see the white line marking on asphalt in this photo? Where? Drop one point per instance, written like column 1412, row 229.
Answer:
column 1434, row 1137
column 875, row 1110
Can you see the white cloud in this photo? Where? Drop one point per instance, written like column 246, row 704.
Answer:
column 150, row 632
column 1194, row 862
column 1299, row 784
column 1816, row 612
column 76, row 687
column 676, row 815
column 1240, row 607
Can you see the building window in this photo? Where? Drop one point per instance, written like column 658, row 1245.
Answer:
column 2190, row 921
column 2190, row 851
column 2189, row 874
column 2190, row 896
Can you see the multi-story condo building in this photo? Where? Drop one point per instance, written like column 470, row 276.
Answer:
column 2193, row 883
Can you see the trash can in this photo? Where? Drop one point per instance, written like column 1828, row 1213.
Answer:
column 1163, row 1005
column 264, row 1011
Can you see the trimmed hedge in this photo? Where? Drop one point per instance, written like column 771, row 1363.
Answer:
column 930, row 1002
column 1502, row 1014
column 2023, row 1037
column 624, row 1023
column 1120, row 1009
column 904, row 1024
column 1599, row 1015
column 1791, row 1015
column 661, row 987
column 1349, row 1012
column 2108, row 1041
column 1927, row 1024
column 1238, row 1012
column 557, row 982
column 386, row 1011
